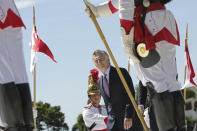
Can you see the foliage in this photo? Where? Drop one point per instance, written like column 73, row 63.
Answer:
column 190, row 94
column 191, row 126
column 50, row 118
column 80, row 125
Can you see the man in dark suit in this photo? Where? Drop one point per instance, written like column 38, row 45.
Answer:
column 119, row 107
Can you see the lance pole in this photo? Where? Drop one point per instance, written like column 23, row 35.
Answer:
column 186, row 44
column 117, row 68
column 34, row 106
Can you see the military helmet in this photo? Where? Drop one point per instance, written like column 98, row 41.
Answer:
column 92, row 83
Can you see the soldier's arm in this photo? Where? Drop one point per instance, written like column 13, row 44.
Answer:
column 126, row 14
column 90, row 117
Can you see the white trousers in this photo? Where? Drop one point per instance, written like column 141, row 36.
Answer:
column 163, row 75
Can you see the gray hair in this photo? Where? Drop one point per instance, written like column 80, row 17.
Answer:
column 100, row 52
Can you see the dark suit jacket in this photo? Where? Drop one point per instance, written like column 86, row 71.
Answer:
column 118, row 104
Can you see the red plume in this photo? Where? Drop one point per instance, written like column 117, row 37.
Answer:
column 94, row 73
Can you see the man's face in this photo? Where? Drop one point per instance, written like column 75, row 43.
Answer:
column 101, row 61
column 95, row 99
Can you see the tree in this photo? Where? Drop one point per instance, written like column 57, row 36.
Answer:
column 80, row 125
column 50, row 118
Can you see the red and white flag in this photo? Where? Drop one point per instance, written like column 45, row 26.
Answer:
column 37, row 45
column 9, row 15
column 190, row 74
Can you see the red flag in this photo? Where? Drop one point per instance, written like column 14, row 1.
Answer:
column 9, row 15
column 38, row 46
column 190, row 71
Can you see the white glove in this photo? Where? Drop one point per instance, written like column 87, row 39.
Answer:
column 128, row 44
column 92, row 7
column 99, row 11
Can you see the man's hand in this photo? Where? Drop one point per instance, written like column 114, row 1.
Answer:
column 127, row 123
column 141, row 108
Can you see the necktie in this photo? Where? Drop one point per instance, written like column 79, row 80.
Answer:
column 106, row 86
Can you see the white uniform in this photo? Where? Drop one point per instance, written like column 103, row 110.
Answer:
column 163, row 74
column 163, row 36
column 12, row 67
column 15, row 97
column 93, row 114
column 12, row 63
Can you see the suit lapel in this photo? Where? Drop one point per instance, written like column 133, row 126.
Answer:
column 111, row 78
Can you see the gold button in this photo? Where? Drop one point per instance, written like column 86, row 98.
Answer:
column 146, row 3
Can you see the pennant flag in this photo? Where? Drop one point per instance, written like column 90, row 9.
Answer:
column 190, row 74
column 9, row 15
column 37, row 45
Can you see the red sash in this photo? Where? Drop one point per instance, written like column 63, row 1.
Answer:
column 150, row 40
column 101, row 130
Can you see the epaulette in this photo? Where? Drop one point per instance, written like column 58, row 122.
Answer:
column 88, row 106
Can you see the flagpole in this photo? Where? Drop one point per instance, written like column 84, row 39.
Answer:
column 117, row 68
column 184, row 82
column 186, row 44
column 34, row 107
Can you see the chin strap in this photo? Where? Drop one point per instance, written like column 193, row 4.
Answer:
column 92, row 126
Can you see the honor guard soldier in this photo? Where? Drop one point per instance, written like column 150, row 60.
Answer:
column 15, row 96
column 149, row 34
column 94, row 114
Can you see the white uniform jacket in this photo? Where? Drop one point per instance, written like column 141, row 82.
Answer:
column 93, row 114
column 161, row 33
column 160, row 23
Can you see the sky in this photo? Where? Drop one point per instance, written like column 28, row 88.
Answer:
column 72, row 37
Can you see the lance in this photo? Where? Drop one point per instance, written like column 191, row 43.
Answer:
column 186, row 44
column 34, row 106
column 117, row 67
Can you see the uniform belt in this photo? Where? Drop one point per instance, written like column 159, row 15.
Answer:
column 92, row 126
column 101, row 130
